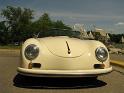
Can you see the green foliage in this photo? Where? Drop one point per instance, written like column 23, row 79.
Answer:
column 4, row 33
column 18, row 21
column 18, row 25
column 119, row 45
column 59, row 24
column 9, row 47
column 44, row 23
column 116, row 38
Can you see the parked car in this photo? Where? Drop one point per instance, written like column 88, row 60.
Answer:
column 64, row 56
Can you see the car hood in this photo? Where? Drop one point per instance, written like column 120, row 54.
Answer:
column 64, row 46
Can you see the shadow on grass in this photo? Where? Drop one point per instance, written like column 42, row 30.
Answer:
column 56, row 83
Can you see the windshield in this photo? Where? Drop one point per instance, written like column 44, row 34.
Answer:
column 58, row 32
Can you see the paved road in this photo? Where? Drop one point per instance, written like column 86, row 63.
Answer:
column 117, row 57
column 11, row 82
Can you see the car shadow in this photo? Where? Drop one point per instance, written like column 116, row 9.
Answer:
column 55, row 83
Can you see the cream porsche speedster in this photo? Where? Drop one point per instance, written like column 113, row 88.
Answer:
column 65, row 56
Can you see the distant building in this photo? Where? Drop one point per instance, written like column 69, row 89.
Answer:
column 97, row 34
column 83, row 34
column 90, row 35
column 101, row 35
column 107, row 36
column 80, row 28
column 122, row 39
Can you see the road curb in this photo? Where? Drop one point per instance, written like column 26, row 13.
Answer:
column 118, row 63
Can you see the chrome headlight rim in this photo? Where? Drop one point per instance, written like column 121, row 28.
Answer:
column 103, row 56
column 31, row 52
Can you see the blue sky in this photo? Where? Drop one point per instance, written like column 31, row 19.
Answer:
column 106, row 14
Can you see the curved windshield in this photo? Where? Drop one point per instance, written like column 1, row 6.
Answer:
column 58, row 32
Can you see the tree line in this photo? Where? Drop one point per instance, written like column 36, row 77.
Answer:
column 116, row 38
column 19, row 24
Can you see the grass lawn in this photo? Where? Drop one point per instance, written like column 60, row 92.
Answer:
column 121, row 46
column 10, row 47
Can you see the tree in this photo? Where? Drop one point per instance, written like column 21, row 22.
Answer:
column 21, row 27
column 19, row 21
column 60, row 25
column 45, row 22
column 115, row 37
column 4, row 34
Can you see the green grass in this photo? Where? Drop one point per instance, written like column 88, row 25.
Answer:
column 10, row 47
column 121, row 46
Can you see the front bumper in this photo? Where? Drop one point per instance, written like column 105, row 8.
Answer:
column 63, row 73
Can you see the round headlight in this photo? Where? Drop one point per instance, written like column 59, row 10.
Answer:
column 101, row 54
column 31, row 52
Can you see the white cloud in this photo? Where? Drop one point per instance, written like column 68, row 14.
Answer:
column 120, row 24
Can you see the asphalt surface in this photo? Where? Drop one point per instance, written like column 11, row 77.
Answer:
column 12, row 82
column 117, row 57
